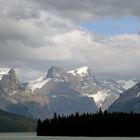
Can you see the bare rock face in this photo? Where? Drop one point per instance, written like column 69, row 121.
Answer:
column 10, row 82
column 55, row 72
column 80, row 79
column 16, row 99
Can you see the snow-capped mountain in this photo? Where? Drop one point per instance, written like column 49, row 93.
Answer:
column 104, row 93
column 60, row 91
column 64, row 92
column 80, row 79
column 38, row 83
column 42, row 97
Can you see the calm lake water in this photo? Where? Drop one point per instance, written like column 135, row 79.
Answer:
column 32, row 136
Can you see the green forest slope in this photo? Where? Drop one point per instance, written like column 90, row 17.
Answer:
column 10, row 122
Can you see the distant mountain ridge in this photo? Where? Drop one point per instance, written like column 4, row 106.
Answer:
column 60, row 91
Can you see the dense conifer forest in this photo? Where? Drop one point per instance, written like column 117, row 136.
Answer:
column 99, row 124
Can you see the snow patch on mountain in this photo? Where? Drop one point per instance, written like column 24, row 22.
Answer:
column 82, row 71
column 100, row 97
column 3, row 71
column 126, row 84
column 38, row 83
column 104, row 98
column 113, row 86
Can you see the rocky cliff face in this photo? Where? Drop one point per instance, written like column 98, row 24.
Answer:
column 14, row 98
column 9, row 81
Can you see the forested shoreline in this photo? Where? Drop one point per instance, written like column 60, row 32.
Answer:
column 98, row 124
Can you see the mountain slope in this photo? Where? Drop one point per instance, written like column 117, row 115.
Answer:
column 128, row 101
column 127, row 84
column 112, row 90
column 10, row 122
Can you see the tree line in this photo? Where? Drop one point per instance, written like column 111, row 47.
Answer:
column 88, row 124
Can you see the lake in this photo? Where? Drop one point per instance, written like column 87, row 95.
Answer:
column 32, row 136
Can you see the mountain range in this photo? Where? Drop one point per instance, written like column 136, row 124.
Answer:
column 60, row 91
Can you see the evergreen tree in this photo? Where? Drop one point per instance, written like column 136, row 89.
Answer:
column 99, row 124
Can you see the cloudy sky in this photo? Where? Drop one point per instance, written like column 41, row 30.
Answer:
column 103, row 34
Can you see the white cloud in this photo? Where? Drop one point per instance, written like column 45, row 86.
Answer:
column 33, row 36
column 107, row 54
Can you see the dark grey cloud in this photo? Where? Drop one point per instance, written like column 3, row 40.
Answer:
column 78, row 10
column 18, row 9
column 73, row 9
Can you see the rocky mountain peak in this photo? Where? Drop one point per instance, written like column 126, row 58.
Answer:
column 12, row 71
column 10, row 81
column 55, row 71
column 12, row 77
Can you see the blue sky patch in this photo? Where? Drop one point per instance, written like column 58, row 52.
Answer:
column 113, row 26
